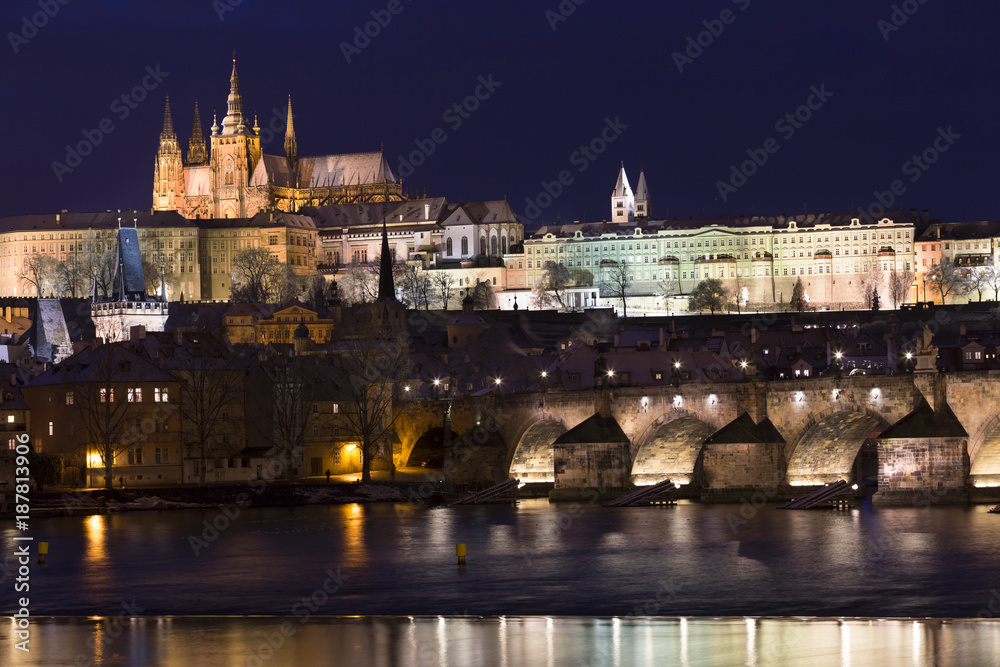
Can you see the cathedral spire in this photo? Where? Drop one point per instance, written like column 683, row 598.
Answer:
column 234, row 123
column 168, row 124
column 197, row 154
column 291, row 147
column 643, row 205
column 386, row 288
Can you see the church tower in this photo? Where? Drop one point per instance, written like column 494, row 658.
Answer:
column 197, row 153
column 168, row 172
column 622, row 200
column 643, row 205
column 235, row 154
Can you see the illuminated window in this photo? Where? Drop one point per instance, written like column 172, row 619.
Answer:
column 135, row 395
column 69, row 398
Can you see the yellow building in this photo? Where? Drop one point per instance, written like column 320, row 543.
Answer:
column 245, row 323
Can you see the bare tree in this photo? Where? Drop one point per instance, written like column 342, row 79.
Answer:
column 619, row 283
column 359, row 285
column 551, row 286
column 443, row 283
column 102, row 378
column 945, row 279
column 900, row 283
column 40, row 272
column 668, row 287
column 484, row 295
column 210, row 400
column 993, row 279
column 71, row 277
column 871, row 282
column 977, row 280
column 372, row 363
column 260, row 275
column 415, row 286
column 287, row 405
column 741, row 291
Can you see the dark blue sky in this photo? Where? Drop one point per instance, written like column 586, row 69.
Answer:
column 557, row 88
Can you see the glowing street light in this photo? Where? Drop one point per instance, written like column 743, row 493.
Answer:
column 611, row 373
column 496, row 381
column 437, row 381
column 743, row 364
column 677, row 364
column 545, row 374
column 909, row 355
column 839, row 354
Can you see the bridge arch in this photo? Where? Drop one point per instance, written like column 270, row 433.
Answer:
column 984, row 454
column 533, row 459
column 429, row 449
column 830, row 444
column 671, row 449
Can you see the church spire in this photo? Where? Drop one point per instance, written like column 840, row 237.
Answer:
column 197, row 153
column 168, row 133
column 234, row 123
column 643, row 205
column 386, row 288
column 291, row 147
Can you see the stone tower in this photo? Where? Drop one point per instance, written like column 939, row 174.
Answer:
column 197, row 152
column 235, row 153
column 291, row 147
column 643, row 205
column 622, row 200
column 168, row 173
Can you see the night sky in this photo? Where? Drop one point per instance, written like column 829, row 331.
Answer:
column 894, row 91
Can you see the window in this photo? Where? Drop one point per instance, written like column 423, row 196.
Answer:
column 69, row 398
column 315, row 408
column 135, row 394
column 107, row 395
column 448, row 247
column 315, row 429
column 336, row 408
column 156, row 455
column 160, row 395
column 50, row 428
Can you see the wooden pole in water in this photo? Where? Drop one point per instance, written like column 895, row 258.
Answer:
column 460, row 552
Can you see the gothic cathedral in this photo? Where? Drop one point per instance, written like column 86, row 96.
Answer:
column 235, row 180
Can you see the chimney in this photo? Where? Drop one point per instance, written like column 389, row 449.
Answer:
column 178, row 337
column 137, row 333
column 427, row 211
column 13, row 379
column 662, row 339
column 927, row 215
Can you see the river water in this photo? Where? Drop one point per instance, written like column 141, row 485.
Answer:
column 536, row 559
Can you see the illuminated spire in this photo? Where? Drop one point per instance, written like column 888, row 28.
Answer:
column 168, row 124
column 291, row 147
column 234, row 123
column 197, row 153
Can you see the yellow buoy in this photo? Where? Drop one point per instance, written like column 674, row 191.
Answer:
column 460, row 552
column 43, row 548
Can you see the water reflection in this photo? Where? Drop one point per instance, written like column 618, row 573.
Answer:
column 545, row 642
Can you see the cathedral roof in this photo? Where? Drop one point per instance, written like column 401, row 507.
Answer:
column 323, row 171
column 273, row 170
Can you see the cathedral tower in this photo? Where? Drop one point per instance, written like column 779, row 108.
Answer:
column 643, row 204
column 168, row 172
column 622, row 200
column 197, row 153
column 235, row 153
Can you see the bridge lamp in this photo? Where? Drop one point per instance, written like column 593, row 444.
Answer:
column 909, row 355
column 800, row 397
column 678, row 401
column 743, row 364
column 644, row 402
column 677, row 364
column 875, row 393
column 497, row 381
column 712, row 399
column 854, row 486
column 839, row 355
column 836, row 394
column 611, row 373
column 545, row 374
column 437, row 382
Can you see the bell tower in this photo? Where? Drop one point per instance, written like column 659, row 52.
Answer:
column 168, row 172
column 234, row 155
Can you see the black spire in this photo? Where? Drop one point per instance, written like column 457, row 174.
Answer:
column 386, row 288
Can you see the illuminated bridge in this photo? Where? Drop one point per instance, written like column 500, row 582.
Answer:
column 922, row 435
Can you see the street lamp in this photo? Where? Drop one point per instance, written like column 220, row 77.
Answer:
column 496, row 381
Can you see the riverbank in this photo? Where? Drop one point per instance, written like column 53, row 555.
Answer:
column 102, row 501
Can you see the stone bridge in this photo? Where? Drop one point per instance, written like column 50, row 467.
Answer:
column 941, row 431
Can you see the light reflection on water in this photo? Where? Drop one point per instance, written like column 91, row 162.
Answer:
column 506, row 641
column 533, row 559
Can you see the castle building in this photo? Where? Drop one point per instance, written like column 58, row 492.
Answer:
column 232, row 178
column 831, row 253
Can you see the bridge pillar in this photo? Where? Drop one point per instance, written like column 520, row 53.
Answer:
column 922, row 471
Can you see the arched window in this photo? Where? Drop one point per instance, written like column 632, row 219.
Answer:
column 465, row 246
column 493, row 246
column 448, row 245
column 503, row 244
column 482, row 246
